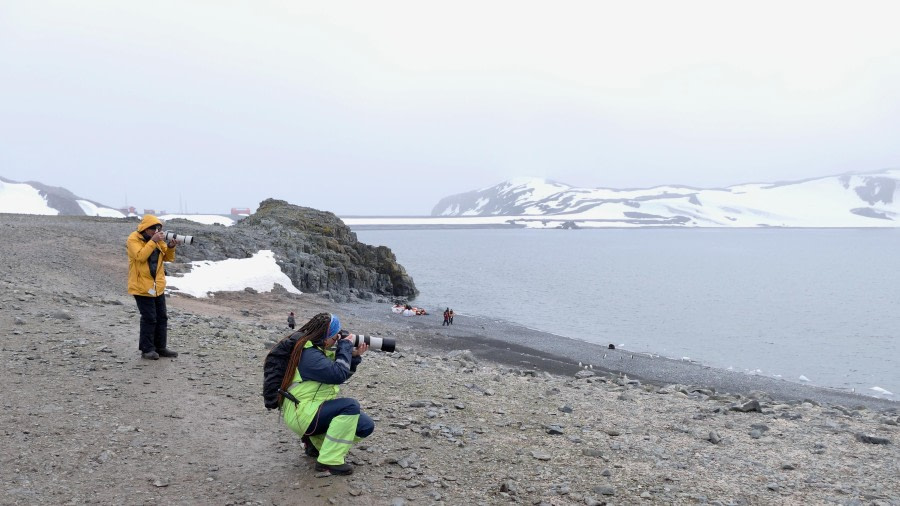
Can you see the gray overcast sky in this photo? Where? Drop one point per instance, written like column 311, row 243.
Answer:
column 386, row 107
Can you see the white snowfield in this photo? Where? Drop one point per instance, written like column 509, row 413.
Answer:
column 21, row 198
column 92, row 209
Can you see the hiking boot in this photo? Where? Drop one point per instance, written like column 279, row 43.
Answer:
column 309, row 448
column 165, row 352
column 150, row 355
column 340, row 469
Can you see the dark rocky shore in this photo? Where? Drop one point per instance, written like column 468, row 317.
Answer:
column 519, row 346
column 483, row 412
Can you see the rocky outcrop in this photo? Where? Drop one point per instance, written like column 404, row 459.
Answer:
column 314, row 248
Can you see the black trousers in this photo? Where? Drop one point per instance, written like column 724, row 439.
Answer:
column 154, row 322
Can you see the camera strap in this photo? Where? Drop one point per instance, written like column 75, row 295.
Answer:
column 287, row 395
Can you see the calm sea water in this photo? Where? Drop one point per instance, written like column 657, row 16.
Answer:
column 823, row 305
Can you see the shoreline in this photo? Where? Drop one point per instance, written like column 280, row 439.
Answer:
column 514, row 345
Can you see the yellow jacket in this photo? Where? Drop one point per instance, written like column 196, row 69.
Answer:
column 139, row 250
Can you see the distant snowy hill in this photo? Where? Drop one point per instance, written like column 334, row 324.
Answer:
column 37, row 198
column 849, row 200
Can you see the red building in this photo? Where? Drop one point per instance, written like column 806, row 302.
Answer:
column 240, row 211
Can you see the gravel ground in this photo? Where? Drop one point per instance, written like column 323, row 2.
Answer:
column 483, row 412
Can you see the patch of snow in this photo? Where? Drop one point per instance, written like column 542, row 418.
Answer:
column 259, row 272
column 206, row 219
column 21, row 198
column 91, row 209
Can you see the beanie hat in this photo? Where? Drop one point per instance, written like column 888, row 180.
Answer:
column 333, row 328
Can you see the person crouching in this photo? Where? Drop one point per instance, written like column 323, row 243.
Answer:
column 327, row 425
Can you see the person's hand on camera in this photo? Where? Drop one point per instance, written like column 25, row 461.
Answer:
column 358, row 350
column 171, row 243
column 158, row 236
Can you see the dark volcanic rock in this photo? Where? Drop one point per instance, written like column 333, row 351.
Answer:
column 314, row 248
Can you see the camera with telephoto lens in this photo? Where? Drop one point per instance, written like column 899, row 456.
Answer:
column 375, row 343
column 180, row 239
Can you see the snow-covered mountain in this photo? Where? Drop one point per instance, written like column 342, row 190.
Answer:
column 848, row 200
column 37, row 198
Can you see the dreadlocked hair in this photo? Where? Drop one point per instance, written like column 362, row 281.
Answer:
column 314, row 329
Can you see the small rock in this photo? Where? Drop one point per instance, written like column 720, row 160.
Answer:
column 746, row 407
column 509, row 487
column 604, row 490
column 554, row 430
column 872, row 440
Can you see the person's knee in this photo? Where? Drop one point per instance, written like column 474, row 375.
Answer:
column 351, row 408
column 365, row 426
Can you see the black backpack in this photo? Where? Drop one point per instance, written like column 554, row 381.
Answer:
column 274, row 368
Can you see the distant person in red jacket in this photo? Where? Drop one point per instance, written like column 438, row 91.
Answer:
column 446, row 317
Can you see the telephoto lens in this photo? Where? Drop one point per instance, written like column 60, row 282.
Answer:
column 375, row 343
column 180, row 239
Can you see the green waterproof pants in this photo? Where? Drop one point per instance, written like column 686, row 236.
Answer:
column 337, row 440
